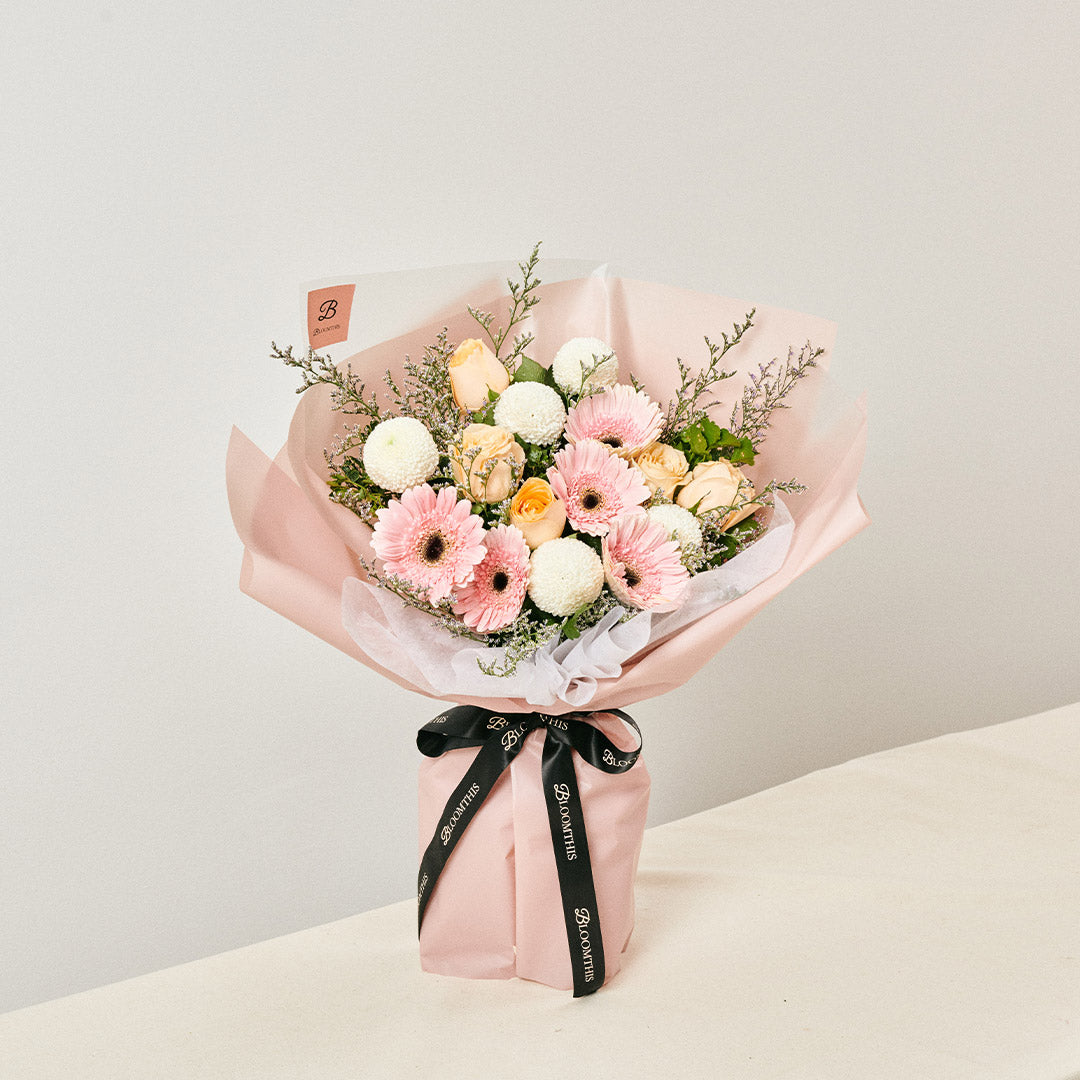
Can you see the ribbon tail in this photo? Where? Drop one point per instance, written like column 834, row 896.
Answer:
column 567, row 821
column 482, row 775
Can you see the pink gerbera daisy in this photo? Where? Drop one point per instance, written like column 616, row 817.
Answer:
column 622, row 418
column 595, row 486
column 642, row 564
column 433, row 541
column 494, row 597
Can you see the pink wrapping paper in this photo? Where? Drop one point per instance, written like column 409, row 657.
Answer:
column 496, row 910
column 299, row 548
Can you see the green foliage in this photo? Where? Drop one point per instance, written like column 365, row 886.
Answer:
column 718, row 546
column 705, row 440
column 538, row 459
column 530, row 371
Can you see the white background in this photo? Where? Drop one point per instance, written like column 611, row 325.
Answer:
column 181, row 770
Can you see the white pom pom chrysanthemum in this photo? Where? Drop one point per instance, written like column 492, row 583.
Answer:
column 400, row 453
column 564, row 575
column 578, row 356
column 532, row 410
column 680, row 523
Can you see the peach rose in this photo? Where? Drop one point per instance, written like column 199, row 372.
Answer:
column 475, row 369
column 715, row 484
column 537, row 512
column 662, row 466
column 481, row 446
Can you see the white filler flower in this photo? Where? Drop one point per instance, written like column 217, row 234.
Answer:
column 576, row 357
column 400, row 453
column 532, row 410
column 681, row 525
column 564, row 575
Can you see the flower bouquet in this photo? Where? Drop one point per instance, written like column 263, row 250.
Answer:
column 543, row 517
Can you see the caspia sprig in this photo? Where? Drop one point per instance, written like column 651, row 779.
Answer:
column 347, row 393
column 689, row 405
column 765, row 392
column 524, row 300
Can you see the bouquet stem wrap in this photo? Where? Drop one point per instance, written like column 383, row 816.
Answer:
column 500, row 738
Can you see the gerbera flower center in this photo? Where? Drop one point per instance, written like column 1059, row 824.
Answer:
column 633, row 578
column 611, row 440
column 433, row 549
column 591, row 499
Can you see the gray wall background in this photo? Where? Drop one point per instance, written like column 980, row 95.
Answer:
column 181, row 770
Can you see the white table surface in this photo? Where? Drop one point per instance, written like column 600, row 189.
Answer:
column 914, row 914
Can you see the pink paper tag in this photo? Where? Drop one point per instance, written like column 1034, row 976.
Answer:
column 328, row 312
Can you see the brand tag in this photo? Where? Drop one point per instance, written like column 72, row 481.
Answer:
column 328, row 312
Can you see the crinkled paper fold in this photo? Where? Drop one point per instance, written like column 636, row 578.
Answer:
column 301, row 550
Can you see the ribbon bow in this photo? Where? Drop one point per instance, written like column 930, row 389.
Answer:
column 500, row 738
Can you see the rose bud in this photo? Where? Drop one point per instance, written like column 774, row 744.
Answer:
column 475, row 369
column 537, row 512
column 663, row 467
column 715, row 484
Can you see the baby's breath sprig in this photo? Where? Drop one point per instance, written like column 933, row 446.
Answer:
column 765, row 392
column 718, row 545
column 523, row 637
column 524, row 300
column 342, row 444
column 351, row 487
column 426, row 394
column 533, row 629
column 347, row 392
column 361, row 505
column 687, row 406
column 415, row 597
column 788, row 487
column 591, row 614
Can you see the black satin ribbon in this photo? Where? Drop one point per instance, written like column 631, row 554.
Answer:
column 500, row 737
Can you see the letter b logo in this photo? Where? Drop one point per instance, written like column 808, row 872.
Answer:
column 328, row 314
